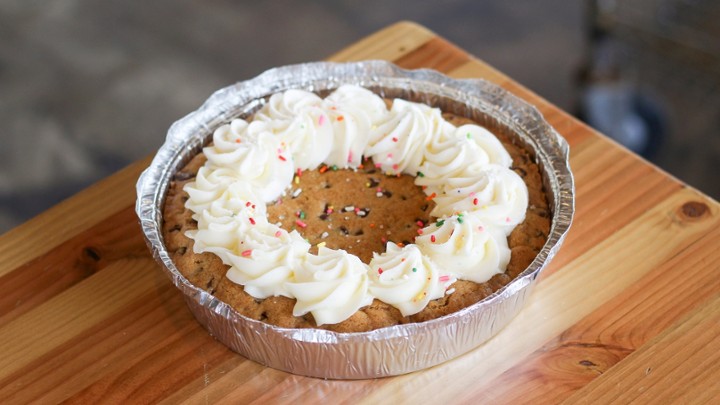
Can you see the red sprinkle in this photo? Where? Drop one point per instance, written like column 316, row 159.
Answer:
column 395, row 166
column 475, row 201
column 282, row 158
column 420, row 231
column 323, row 169
column 431, row 196
column 383, row 240
column 246, row 253
column 278, row 234
column 443, row 279
column 237, row 140
column 340, row 118
column 298, row 172
column 420, row 223
column 247, row 204
column 432, row 238
column 252, row 220
column 394, row 139
column 380, row 270
column 300, row 223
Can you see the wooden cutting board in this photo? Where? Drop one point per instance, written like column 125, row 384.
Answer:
column 628, row 310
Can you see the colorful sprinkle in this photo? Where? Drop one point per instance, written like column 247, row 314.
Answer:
column 468, row 135
column 432, row 238
column 420, row 231
column 420, row 223
column 296, row 193
column 300, row 223
column 281, row 157
column 237, row 140
column 443, row 279
column 420, row 174
column 431, row 196
column 475, row 201
column 414, row 269
column 507, row 219
column 380, row 270
column 321, row 120
column 246, row 253
column 440, row 223
column 278, row 234
column 247, row 204
column 394, row 139
column 340, row 118
column 334, row 168
column 252, row 220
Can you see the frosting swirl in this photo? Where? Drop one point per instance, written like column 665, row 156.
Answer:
column 397, row 144
column 493, row 193
column 254, row 155
column 265, row 258
column 405, row 279
column 300, row 122
column 466, row 247
column 331, row 285
column 353, row 111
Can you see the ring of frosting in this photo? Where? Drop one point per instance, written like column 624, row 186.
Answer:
column 465, row 169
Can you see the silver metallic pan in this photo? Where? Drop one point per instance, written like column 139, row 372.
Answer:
column 387, row 351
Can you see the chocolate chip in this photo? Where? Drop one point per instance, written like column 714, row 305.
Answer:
column 374, row 182
column 359, row 232
column 387, row 193
column 344, row 230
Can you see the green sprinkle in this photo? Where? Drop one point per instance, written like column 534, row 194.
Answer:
column 414, row 270
column 420, row 174
column 440, row 223
column 302, row 214
column 468, row 135
column 334, row 167
column 460, row 220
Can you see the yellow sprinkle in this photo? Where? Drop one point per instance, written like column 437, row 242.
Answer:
column 297, row 180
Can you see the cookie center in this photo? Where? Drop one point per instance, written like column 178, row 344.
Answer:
column 358, row 211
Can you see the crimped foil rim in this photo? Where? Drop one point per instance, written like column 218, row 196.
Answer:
column 189, row 133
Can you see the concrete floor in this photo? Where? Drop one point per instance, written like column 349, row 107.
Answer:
column 87, row 87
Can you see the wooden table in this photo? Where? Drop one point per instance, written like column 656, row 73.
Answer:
column 628, row 310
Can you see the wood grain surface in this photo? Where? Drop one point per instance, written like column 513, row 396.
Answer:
column 629, row 310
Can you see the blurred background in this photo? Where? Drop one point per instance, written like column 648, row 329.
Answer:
column 86, row 87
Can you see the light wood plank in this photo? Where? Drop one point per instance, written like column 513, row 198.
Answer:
column 682, row 365
column 390, row 43
column 70, row 217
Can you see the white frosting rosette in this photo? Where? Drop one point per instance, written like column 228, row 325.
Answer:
column 297, row 118
column 405, row 279
column 218, row 220
column 450, row 153
column 331, row 285
column 466, row 247
column 255, row 155
column 493, row 193
column 353, row 111
column 397, row 144
column 265, row 258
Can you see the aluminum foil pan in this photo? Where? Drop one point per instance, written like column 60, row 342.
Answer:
column 387, row 351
